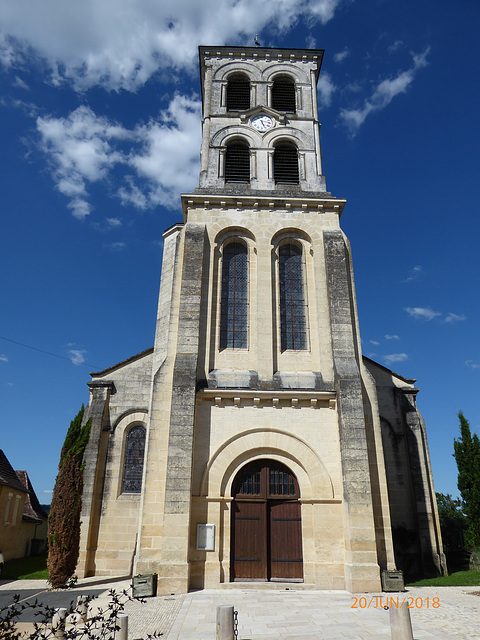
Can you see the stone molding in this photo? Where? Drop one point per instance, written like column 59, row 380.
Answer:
column 313, row 477
column 255, row 203
column 275, row 398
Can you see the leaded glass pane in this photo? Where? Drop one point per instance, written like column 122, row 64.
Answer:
column 133, row 465
column 293, row 329
column 234, row 297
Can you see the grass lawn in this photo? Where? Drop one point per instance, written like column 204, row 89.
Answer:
column 26, row 569
column 457, row 579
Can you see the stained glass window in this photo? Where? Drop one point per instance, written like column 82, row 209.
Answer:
column 293, row 329
column 133, row 465
column 234, row 297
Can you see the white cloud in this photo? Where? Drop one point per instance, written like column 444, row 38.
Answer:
column 160, row 157
column 3, row 358
column 326, row 89
column 341, row 55
column 422, row 313
column 77, row 356
column 116, row 246
column 114, row 222
column 414, row 273
column 453, row 317
column 121, row 44
column 383, row 94
column 391, row 337
column 20, row 84
column 395, row 357
column 169, row 157
column 374, row 342
column 472, row 364
column 398, row 44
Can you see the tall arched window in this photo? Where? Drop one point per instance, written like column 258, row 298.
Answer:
column 237, row 162
column 293, row 326
column 234, row 297
column 133, row 464
column 283, row 94
column 238, row 93
column 285, row 163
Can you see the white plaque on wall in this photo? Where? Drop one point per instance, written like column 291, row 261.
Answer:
column 206, row 537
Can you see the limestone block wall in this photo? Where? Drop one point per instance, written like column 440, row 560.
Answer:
column 263, row 224
column 110, row 516
column 232, row 430
column 14, row 534
column 412, row 501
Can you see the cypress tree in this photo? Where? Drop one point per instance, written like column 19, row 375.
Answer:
column 64, row 516
column 467, row 455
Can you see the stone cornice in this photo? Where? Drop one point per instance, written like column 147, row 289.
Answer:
column 261, row 53
column 273, row 397
column 300, row 204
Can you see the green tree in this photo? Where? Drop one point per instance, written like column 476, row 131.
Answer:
column 64, row 516
column 452, row 521
column 467, row 455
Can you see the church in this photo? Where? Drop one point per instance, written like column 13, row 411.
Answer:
column 254, row 442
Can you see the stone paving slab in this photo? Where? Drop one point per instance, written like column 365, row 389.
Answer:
column 277, row 615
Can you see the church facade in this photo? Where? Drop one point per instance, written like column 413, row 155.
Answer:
column 254, row 442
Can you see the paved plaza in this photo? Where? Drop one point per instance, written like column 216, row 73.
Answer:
column 276, row 611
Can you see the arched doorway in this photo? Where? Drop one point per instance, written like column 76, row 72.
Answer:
column 266, row 524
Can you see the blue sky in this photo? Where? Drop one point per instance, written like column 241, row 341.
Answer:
column 100, row 129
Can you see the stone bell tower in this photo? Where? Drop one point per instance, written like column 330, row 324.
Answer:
column 257, row 349
column 272, row 448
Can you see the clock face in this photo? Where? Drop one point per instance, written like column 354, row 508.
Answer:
column 262, row 123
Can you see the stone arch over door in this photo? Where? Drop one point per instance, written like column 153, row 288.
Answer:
column 266, row 527
column 309, row 469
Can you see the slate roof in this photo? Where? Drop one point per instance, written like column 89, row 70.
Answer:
column 32, row 510
column 8, row 477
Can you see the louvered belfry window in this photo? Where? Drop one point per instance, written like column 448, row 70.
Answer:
column 237, row 162
column 133, row 464
column 293, row 326
column 238, row 93
column 283, row 94
column 234, row 297
column 285, row 164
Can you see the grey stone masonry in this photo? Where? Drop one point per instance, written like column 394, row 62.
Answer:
column 433, row 559
column 93, row 473
column 180, row 444
column 359, row 529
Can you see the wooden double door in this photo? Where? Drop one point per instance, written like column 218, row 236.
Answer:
column 266, row 524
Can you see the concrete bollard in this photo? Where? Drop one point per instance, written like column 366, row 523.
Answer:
column 82, row 609
column 58, row 623
column 400, row 623
column 225, row 624
column 122, row 622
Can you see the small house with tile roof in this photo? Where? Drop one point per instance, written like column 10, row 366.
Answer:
column 23, row 521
